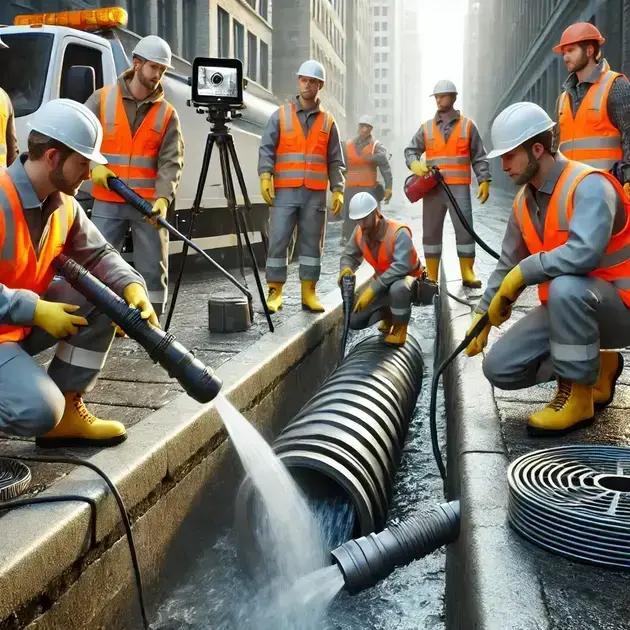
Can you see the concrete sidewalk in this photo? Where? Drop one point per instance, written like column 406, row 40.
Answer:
column 495, row 579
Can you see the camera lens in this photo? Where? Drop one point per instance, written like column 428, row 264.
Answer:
column 216, row 78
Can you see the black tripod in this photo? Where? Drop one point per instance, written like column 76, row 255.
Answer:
column 220, row 136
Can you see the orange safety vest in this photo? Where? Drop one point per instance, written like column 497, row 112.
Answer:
column 590, row 136
column 20, row 266
column 5, row 112
column 302, row 161
column 134, row 158
column 452, row 157
column 385, row 253
column 614, row 266
column 361, row 169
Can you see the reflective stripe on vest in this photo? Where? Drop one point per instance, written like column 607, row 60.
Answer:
column 451, row 157
column 21, row 267
column 302, row 161
column 361, row 169
column 615, row 263
column 385, row 253
column 590, row 136
column 134, row 158
column 5, row 111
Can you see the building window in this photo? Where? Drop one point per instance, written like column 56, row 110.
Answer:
column 384, row 40
column 190, row 30
column 263, row 9
column 223, row 33
column 377, row 73
column 252, row 56
column 384, row 26
column 384, row 75
column 384, row 14
column 377, row 26
column 239, row 39
column 264, row 64
column 384, row 57
column 377, row 41
column 377, row 10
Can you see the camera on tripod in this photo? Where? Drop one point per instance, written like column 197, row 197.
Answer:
column 217, row 83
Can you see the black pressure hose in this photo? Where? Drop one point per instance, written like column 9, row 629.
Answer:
column 73, row 497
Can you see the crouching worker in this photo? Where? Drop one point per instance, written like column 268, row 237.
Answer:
column 40, row 219
column 569, row 233
column 387, row 245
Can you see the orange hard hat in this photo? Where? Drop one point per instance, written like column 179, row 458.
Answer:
column 579, row 32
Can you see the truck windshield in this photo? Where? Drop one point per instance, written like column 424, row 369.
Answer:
column 24, row 69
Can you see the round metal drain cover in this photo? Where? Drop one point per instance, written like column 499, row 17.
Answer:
column 15, row 478
column 574, row 501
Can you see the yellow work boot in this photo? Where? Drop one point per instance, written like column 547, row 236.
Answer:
column 397, row 336
column 310, row 301
column 433, row 269
column 571, row 408
column 385, row 325
column 610, row 369
column 274, row 299
column 469, row 279
column 78, row 427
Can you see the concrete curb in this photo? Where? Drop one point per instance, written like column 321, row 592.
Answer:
column 491, row 583
column 51, row 562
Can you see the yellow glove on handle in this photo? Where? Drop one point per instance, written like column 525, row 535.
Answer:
column 56, row 318
column 500, row 307
column 480, row 341
column 136, row 297
column 365, row 299
column 419, row 168
column 266, row 188
column 626, row 189
column 337, row 202
column 388, row 195
column 100, row 174
column 160, row 208
column 346, row 271
column 483, row 192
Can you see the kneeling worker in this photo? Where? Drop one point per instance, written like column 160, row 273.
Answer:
column 40, row 220
column 569, row 234
column 387, row 245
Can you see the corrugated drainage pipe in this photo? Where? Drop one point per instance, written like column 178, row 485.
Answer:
column 347, row 440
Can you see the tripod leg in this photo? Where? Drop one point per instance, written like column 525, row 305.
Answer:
column 230, row 196
column 245, row 230
column 207, row 154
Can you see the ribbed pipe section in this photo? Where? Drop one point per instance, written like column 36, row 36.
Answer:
column 348, row 438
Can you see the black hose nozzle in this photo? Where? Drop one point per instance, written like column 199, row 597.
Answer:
column 366, row 560
column 348, row 283
column 198, row 381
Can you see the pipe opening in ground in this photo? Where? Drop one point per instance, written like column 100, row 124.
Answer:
column 618, row 483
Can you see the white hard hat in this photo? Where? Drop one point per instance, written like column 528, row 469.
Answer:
column 361, row 205
column 516, row 124
column 366, row 120
column 72, row 124
column 2, row 44
column 313, row 69
column 153, row 48
column 444, row 87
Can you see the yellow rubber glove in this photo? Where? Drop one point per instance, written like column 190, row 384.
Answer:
column 480, row 341
column 626, row 189
column 57, row 319
column 365, row 299
column 136, row 297
column 388, row 195
column 266, row 188
column 419, row 168
column 160, row 208
column 500, row 307
column 337, row 202
column 100, row 174
column 346, row 271
column 483, row 192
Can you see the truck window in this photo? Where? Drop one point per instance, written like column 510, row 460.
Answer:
column 79, row 55
column 25, row 68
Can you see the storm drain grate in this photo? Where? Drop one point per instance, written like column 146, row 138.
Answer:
column 15, row 478
column 574, row 501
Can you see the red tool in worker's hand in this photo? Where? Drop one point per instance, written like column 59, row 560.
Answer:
column 417, row 186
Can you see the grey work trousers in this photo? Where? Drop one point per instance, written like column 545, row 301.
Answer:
column 150, row 245
column 31, row 400
column 306, row 209
column 562, row 338
column 392, row 305
column 434, row 206
column 348, row 223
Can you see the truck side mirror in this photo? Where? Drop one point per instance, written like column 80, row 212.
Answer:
column 79, row 83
